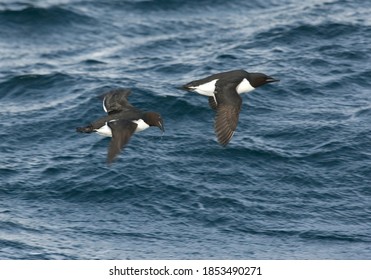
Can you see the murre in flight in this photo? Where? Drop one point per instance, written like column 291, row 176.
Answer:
column 223, row 90
column 122, row 121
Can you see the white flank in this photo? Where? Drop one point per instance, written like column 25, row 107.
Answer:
column 206, row 89
column 142, row 125
column 244, row 86
column 104, row 131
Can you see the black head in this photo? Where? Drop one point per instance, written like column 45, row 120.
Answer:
column 154, row 119
column 259, row 79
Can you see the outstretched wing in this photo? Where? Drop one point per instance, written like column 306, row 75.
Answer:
column 122, row 130
column 116, row 100
column 227, row 111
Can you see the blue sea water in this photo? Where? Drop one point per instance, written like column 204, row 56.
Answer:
column 294, row 182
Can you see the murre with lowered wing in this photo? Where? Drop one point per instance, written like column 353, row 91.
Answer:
column 223, row 90
column 122, row 121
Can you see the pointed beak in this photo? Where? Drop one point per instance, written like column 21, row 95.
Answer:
column 161, row 126
column 271, row 80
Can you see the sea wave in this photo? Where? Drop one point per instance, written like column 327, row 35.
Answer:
column 25, row 93
column 33, row 16
column 296, row 173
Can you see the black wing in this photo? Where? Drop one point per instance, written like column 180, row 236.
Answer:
column 122, row 130
column 116, row 100
column 227, row 111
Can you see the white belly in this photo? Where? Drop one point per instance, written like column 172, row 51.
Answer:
column 206, row 89
column 107, row 132
column 244, row 86
column 104, row 131
column 141, row 125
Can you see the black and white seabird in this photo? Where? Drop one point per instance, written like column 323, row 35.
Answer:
column 223, row 90
column 122, row 121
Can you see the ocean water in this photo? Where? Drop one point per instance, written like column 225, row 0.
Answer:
column 294, row 182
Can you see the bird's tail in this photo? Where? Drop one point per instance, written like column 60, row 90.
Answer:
column 184, row 87
column 86, row 129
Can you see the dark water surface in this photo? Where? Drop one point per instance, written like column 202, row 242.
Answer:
column 294, row 183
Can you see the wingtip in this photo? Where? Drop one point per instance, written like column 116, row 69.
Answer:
column 223, row 136
column 224, row 142
column 110, row 159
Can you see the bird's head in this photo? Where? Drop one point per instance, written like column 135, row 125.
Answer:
column 259, row 79
column 154, row 119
